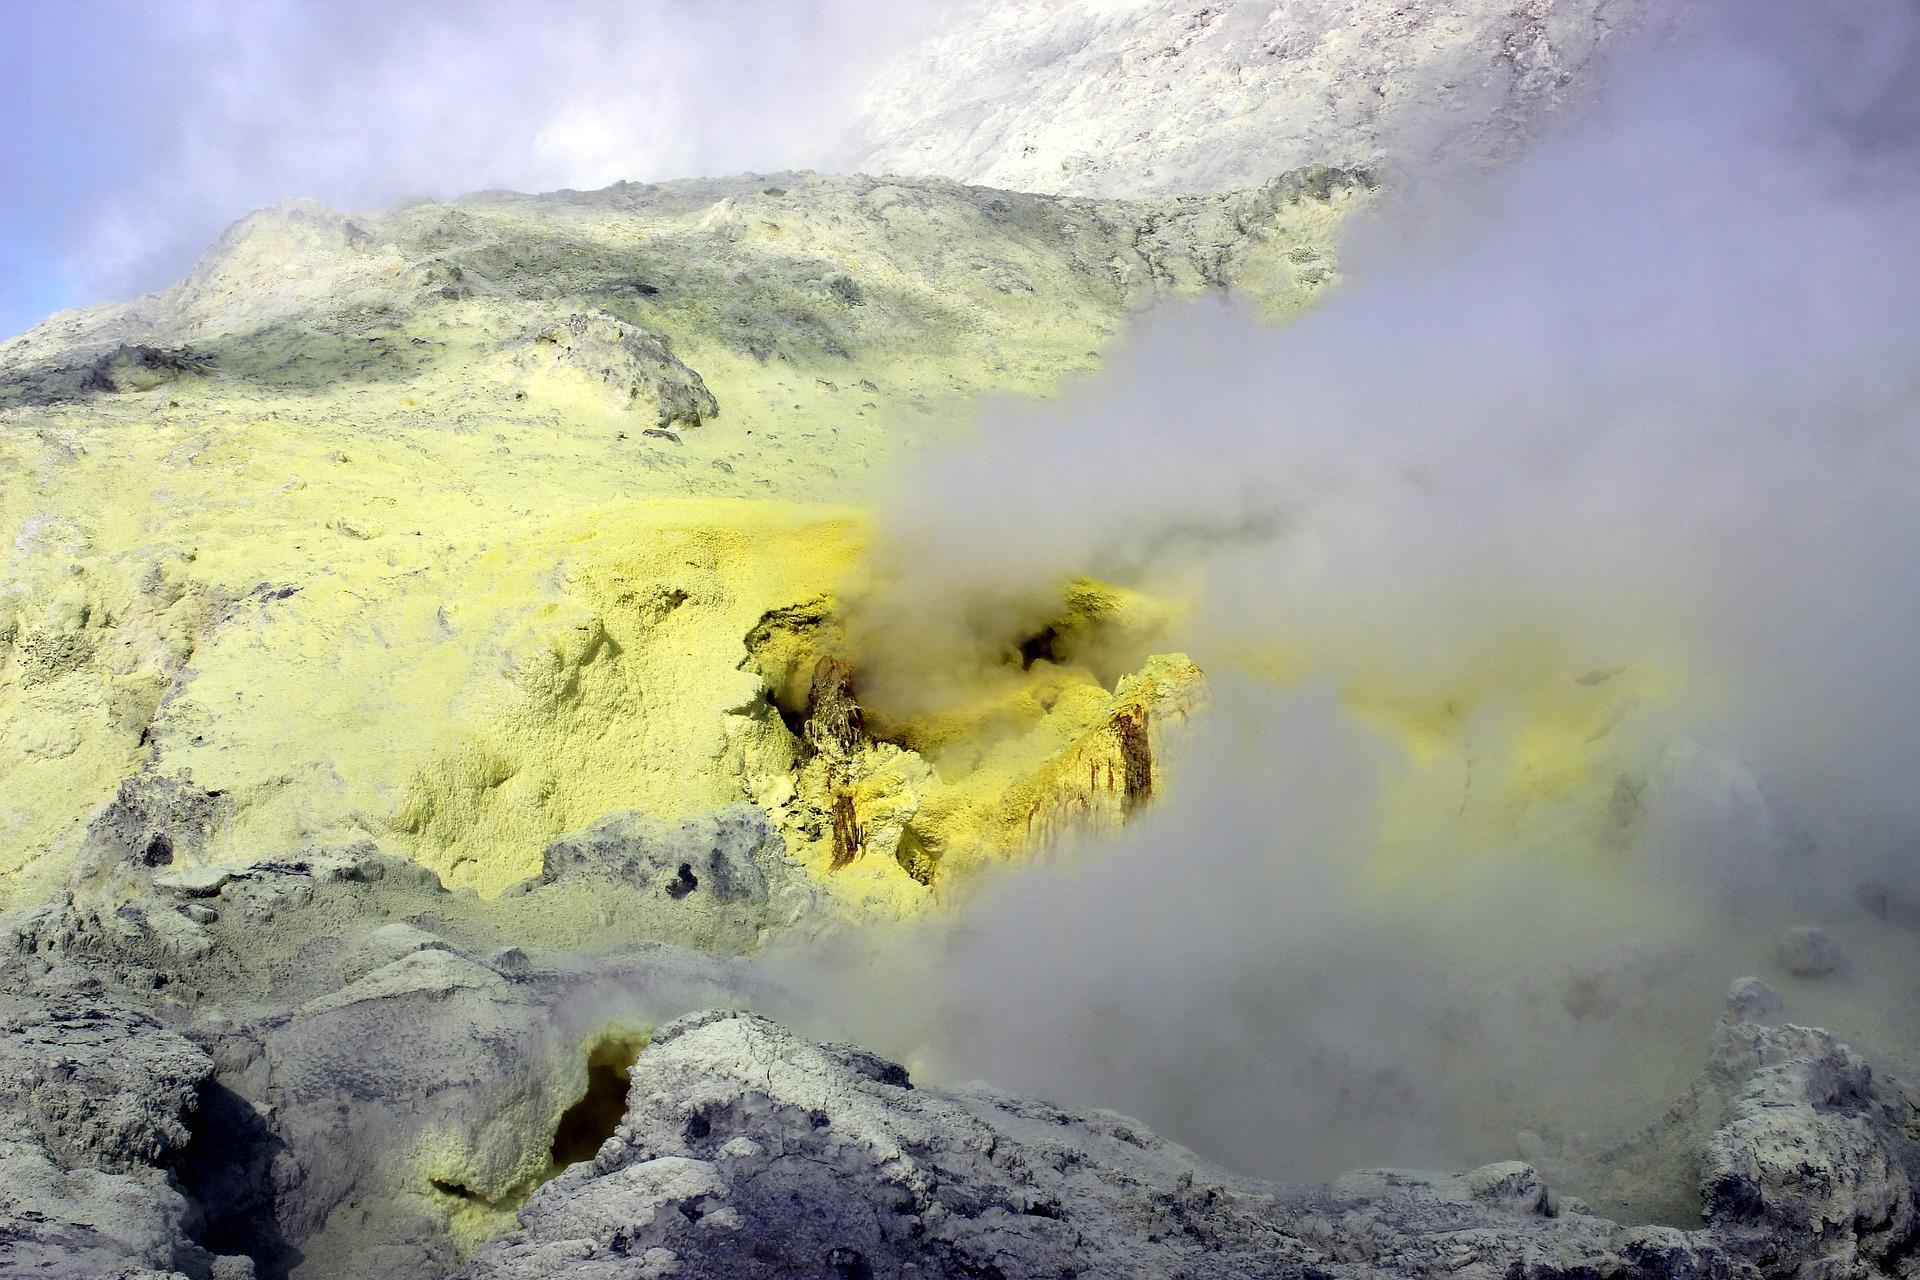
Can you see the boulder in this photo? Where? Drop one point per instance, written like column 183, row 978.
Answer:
column 1807, row 952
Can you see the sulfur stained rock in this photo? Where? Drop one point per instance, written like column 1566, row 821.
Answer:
column 638, row 368
column 96, row 1104
column 1099, row 781
column 747, row 1151
column 833, row 726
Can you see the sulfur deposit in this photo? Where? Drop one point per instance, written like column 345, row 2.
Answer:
column 461, row 525
column 498, row 695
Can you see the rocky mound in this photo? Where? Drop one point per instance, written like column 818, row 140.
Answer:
column 323, row 1064
column 747, row 1151
column 330, row 1066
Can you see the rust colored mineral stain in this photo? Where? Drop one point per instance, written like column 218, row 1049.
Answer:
column 847, row 835
column 833, row 717
column 1130, row 728
column 833, row 731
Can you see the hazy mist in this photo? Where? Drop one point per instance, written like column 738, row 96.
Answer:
column 1647, row 401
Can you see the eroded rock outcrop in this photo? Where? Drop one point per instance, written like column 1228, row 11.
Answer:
column 720, row 881
column 97, row 1100
column 323, row 1064
column 1800, row 1155
column 636, row 369
column 747, row 1151
column 326, row 1064
column 1167, row 96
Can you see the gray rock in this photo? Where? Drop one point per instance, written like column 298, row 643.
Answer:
column 747, row 1151
column 192, row 882
column 128, row 367
column 1752, row 1000
column 718, row 881
column 1795, row 1151
column 1808, row 952
column 716, row 854
column 151, row 823
column 1816, row 1159
column 361, row 1083
column 1067, row 96
column 96, row 1101
column 421, row 1087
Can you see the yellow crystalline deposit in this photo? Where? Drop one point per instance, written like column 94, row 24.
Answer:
column 1529, row 758
column 597, row 670
column 459, row 525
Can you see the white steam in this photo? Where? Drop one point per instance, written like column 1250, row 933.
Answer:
column 1650, row 396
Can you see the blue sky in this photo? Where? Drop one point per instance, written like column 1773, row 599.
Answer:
column 132, row 131
column 72, row 78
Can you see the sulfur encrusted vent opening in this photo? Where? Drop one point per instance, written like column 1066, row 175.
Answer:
column 591, row 1121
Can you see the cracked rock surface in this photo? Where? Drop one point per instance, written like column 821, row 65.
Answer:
column 320, row 1065
column 1091, row 97
column 97, row 1101
column 379, row 1087
column 747, row 1151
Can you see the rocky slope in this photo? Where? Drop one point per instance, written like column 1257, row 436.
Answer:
column 429, row 671
column 328, row 1066
column 1104, row 97
column 461, row 526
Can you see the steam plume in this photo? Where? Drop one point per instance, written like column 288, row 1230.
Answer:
column 1643, row 406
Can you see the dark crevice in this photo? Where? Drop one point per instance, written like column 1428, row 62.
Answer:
column 1039, row 647
column 459, row 1189
column 226, row 1171
column 159, row 852
column 683, row 884
column 795, row 718
column 588, row 1123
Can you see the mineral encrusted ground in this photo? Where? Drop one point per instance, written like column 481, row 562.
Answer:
column 396, row 1094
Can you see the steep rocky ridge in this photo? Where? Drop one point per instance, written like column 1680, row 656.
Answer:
column 447, row 526
column 1160, row 97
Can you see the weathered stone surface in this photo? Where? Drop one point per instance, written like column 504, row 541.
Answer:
column 129, row 367
column 394, row 1093
column 96, row 1103
column 1135, row 96
column 748, row 1151
column 722, row 853
column 1815, row 1162
column 638, row 368
column 719, row 880
column 362, row 1098
column 1808, row 952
